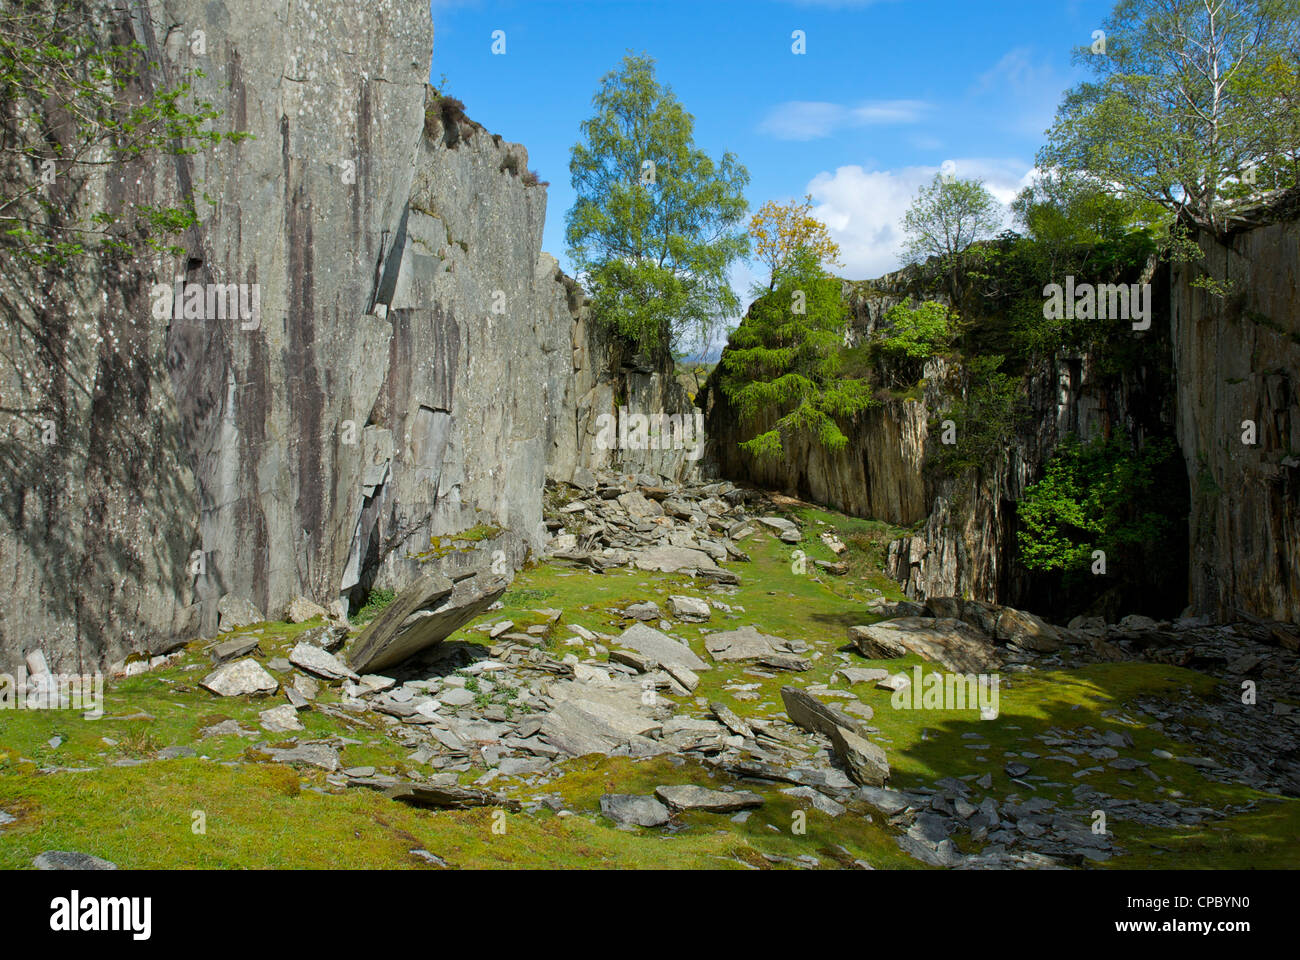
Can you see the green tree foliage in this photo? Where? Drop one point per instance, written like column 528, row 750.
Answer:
column 946, row 217
column 1191, row 100
column 784, row 360
column 987, row 417
column 76, row 103
column 656, row 223
column 913, row 335
column 1098, row 496
column 1066, row 209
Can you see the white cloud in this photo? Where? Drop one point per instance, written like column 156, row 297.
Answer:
column 863, row 209
column 813, row 119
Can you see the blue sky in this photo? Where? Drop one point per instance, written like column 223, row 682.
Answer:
column 887, row 92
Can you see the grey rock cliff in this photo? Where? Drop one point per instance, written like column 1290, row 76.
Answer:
column 417, row 370
column 1238, row 360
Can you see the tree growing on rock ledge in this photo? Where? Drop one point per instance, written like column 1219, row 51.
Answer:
column 782, row 364
column 947, row 216
column 656, row 223
column 780, row 231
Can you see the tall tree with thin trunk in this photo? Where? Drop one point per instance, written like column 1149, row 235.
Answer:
column 657, row 223
column 1193, row 102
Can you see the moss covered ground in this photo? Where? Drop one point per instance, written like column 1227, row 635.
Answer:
column 112, row 796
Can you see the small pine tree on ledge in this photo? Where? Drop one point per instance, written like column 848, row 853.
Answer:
column 785, row 359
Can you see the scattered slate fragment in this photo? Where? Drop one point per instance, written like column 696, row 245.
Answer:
column 866, row 762
column 240, row 646
column 448, row 797
column 660, row 647
column 312, row 754
column 280, row 719
column 70, row 860
column 731, row 720
column 687, row 796
column 690, row 609
column 324, row 665
column 634, row 809
column 807, row 711
column 244, row 678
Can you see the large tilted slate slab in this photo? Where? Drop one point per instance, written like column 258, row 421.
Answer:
column 422, row 615
column 660, row 647
column 807, row 711
column 953, row 644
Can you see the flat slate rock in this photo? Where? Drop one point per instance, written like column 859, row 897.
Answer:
column 673, row 560
column 744, row 643
column 955, row 645
column 70, row 860
column 637, row 810
column 448, row 797
column 230, row 649
column 855, row 675
column 692, row 609
column 312, row 754
column 280, row 719
column 687, row 796
column 943, row 854
column 888, row 802
column 315, row 660
column 659, row 647
column 243, row 678
column 584, row 726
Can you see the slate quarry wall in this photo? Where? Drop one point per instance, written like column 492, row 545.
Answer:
column 417, row 370
column 1216, row 363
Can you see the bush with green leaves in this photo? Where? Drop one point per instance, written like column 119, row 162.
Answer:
column 1192, row 105
column 986, row 417
column 79, row 102
column 912, row 335
column 1100, row 495
column 784, row 362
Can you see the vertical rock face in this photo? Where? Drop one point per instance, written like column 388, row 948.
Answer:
column 310, row 209
column 610, row 379
column 416, row 367
column 965, row 541
column 202, row 457
column 967, row 545
column 1223, row 368
column 1238, row 363
column 879, row 473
